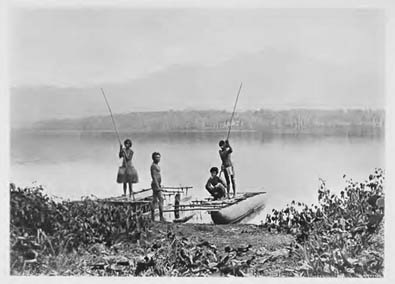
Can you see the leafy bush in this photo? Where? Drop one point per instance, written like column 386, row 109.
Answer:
column 342, row 235
column 40, row 226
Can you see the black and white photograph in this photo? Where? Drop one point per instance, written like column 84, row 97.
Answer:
column 196, row 139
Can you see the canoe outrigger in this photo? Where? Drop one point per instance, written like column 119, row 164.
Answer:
column 143, row 201
column 227, row 211
column 224, row 211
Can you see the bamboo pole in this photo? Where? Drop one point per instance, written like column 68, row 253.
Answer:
column 112, row 117
column 234, row 109
column 167, row 187
column 193, row 209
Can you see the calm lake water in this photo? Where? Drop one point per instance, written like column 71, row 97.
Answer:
column 287, row 166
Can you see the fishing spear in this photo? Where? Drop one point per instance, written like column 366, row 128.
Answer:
column 234, row 109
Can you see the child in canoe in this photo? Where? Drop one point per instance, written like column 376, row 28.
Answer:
column 127, row 174
column 215, row 185
column 227, row 166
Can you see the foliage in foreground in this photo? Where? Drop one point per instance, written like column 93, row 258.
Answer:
column 342, row 235
column 39, row 226
column 89, row 238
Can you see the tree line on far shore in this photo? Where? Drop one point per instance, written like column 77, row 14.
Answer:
column 213, row 120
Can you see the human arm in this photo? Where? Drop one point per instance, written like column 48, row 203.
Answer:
column 228, row 148
column 127, row 154
column 209, row 186
column 121, row 151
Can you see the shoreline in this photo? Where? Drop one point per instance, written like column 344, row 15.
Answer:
column 91, row 238
column 327, row 131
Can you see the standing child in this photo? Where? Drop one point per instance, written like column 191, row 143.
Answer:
column 227, row 166
column 156, row 186
column 127, row 174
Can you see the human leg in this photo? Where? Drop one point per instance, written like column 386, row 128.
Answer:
column 231, row 174
column 227, row 182
column 221, row 190
column 131, row 191
column 215, row 193
column 233, row 184
column 160, row 198
column 124, row 188
column 153, row 204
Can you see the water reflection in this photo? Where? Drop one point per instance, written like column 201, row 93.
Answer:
column 286, row 165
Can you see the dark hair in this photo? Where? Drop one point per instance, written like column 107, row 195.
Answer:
column 155, row 154
column 221, row 143
column 214, row 169
column 128, row 141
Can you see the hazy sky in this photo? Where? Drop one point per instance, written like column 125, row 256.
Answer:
column 77, row 47
column 84, row 48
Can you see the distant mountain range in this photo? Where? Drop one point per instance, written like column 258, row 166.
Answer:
column 211, row 120
column 271, row 79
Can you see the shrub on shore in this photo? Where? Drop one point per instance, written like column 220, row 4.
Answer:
column 343, row 234
column 40, row 226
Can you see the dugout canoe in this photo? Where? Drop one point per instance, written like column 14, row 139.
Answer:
column 244, row 206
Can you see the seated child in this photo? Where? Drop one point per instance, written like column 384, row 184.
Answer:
column 215, row 185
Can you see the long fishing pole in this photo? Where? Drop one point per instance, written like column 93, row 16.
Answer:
column 231, row 118
column 234, row 109
column 112, row 118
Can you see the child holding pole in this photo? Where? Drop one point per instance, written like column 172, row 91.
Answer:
column 127, row 174
column 227, row 166
column 226, row 150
